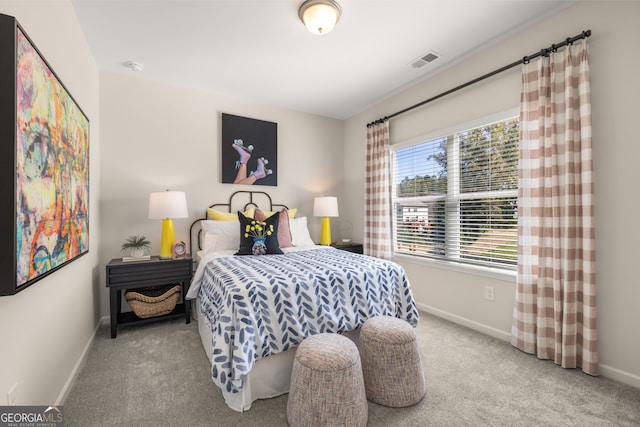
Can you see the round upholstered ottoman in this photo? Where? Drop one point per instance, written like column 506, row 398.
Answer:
column 327, row 388
column 391, row 364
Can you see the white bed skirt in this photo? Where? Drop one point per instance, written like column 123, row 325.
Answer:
column 269, row 377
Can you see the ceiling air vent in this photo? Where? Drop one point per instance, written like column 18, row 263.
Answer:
column 425, row 59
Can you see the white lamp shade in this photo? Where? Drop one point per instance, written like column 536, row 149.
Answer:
column 319, row 16
column 325, row 206
column 168, row 204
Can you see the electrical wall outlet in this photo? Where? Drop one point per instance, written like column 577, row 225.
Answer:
column 12, row 395
column 489, row 293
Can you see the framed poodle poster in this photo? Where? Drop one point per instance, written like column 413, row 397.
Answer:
column 44, row 166
column 249, row 151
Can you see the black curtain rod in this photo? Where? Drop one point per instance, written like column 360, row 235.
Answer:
column 543, row 52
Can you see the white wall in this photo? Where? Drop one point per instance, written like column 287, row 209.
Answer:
column 156, row 136
column 44, row 330
column 615, row 89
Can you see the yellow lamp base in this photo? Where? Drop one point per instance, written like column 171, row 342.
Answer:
column 325, row 234
column 167, row 239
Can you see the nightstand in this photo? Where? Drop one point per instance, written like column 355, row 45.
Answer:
column 350, row 247
column 140, row 274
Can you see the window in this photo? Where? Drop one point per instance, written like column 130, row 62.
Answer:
column 455, row 197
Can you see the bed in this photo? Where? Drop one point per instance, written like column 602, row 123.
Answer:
column 254, row 310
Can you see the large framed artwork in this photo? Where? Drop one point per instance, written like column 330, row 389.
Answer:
column 249, row 151
column 44, row 166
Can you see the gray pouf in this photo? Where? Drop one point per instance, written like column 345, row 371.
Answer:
column 327, row 388
column 391, row 364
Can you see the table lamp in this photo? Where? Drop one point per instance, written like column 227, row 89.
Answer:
column 167, row 205
column 326, row 206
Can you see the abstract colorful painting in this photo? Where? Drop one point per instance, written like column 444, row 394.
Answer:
column 51, row 195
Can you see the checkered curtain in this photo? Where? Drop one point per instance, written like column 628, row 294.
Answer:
column 377, row 215
column 555, row 312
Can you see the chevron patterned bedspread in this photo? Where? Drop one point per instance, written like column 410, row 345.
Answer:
column 262, row 305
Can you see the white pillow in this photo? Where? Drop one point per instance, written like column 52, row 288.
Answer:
column 220, row 235
column 299, row 232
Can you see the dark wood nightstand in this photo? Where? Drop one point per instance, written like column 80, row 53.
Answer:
column 350, row 247
column 140, row 274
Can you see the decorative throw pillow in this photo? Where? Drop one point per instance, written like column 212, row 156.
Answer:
column 284, row 233
column 216, row 215
column 290, row 212
column 258, row 237
column 299, row 232
column 220, row 235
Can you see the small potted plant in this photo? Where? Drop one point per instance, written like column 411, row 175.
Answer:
column 136, row 246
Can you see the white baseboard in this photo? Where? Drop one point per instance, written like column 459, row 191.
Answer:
column 620, row 376
column 79, row 364
column 605, row 370
column 488, row 330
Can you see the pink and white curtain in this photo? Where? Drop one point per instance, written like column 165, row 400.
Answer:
column 377, row 215
column 555, row 312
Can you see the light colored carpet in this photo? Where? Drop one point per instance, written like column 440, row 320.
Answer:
column 158, row 375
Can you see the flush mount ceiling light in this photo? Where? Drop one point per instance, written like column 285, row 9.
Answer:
column 319, row 16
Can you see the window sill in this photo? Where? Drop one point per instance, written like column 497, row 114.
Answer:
column 494, row 273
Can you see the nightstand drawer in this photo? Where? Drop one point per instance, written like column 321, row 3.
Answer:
column 138, row 273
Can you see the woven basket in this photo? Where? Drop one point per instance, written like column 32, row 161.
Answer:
column 152, row 302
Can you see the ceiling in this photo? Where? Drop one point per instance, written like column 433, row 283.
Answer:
column 260, row 51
